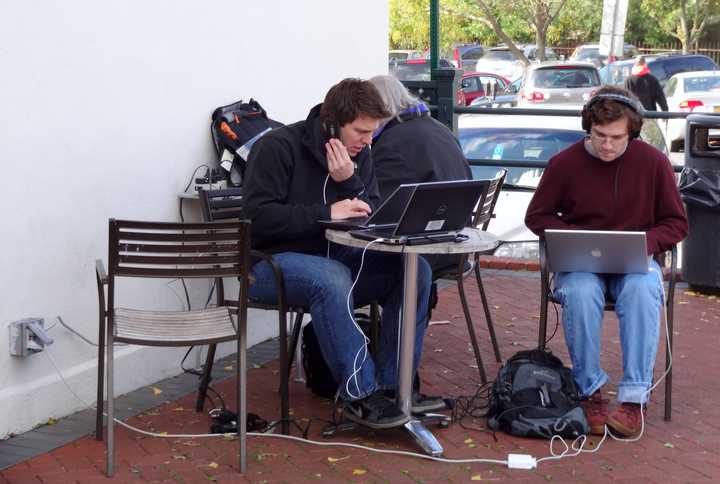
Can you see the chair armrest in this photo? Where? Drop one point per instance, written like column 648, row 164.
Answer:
column 100, row 272
column 277, row 273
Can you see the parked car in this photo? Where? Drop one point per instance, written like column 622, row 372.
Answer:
column 697, row 91
column 475, row 84
column 591, row 53
column 419, row 70
column 524, row 138
column 465, row 56
column 506, row 98
column 662, row 66
column 558, row 83
column 404, row 54
column 500, row 60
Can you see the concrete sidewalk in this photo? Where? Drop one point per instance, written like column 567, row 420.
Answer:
column 687, row 449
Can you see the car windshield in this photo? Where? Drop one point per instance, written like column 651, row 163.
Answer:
column 704, row 83
column 504, row 55
column 588, row 53
column 519, row 144
column 414, row 70
column 564, row 77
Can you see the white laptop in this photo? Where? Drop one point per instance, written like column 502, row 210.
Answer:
column 598, row 251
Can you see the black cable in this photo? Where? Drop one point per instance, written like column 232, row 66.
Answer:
column 199, row 374
column 473, row 406
column 187, row 295
column 192, row 177
column 212, row 290
column 191, row 371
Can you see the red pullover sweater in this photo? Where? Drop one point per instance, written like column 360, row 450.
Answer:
column 637, row 191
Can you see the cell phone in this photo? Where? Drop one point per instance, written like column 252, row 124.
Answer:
column 331, row 129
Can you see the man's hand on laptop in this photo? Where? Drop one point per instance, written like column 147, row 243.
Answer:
column 349, row 208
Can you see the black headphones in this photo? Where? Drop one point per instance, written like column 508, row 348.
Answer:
column 631, row 103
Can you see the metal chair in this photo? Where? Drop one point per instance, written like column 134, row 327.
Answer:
column 227, row 204
column 546, row 295
column 169, row 251
column 481, row 219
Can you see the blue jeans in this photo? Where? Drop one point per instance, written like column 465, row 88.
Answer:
column 638, row 299
column 323, row 285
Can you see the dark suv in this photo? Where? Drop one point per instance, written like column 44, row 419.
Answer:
column 662, row 66
column 465, row 56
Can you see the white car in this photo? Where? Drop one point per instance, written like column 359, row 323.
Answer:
column 696, row 92
column 558, row 83
column 500, row 60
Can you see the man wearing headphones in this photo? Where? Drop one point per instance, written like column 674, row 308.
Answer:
column 316, row 169
column 611, row 180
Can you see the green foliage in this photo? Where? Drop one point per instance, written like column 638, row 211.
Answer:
column 462, row 21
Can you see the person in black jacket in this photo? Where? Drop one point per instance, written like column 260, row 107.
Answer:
column 412, row 147
column 321, row 168
column 646, row 86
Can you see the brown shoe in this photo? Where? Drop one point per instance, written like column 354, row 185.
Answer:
column 626, row 420
column 596, row 412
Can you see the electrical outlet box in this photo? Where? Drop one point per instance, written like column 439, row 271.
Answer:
column 28, row 336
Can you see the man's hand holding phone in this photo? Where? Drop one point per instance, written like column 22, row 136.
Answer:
column 349, row 208
column 340, row 166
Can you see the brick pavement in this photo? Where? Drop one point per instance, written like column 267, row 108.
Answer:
column 684, row 450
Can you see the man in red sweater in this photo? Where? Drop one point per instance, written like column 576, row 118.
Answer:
column 611, row 180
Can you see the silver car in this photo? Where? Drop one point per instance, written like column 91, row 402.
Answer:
column 558, row 83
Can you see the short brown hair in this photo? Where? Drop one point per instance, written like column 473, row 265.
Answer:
column 351, row 98
column 599, row 110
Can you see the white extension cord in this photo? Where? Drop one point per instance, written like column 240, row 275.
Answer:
column 514, row 461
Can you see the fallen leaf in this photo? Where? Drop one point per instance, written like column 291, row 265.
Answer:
column 162, row 433
column 691, row 293
column 438, row 350
column 179, row 457
column 51, row 421
column 468, row 441
column 337, row 459
column 178, row 409
column 214, row 465
column 668, row 445
column 156, row 391
column 437, row 323
column 476, row 477
column 359, row 472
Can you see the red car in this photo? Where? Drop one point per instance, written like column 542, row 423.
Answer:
column 473, row 84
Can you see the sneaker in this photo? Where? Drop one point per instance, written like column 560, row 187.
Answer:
column 421, row 403
column 375, row 411
column 626, row 420
column 596, row 412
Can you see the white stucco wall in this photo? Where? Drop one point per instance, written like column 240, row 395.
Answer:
column 104, row 112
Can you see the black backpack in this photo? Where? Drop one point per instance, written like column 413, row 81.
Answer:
column 318, row 377
column 234, row 128
column 534, row 395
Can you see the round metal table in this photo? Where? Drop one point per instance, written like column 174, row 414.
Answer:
column 477, row 241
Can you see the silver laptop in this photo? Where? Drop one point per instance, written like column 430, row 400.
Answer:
column 598, row 251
